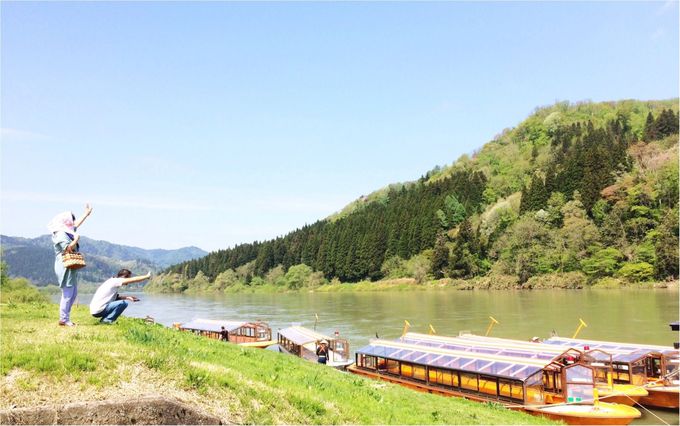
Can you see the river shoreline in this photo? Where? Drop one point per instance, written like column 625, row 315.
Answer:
column 493, row 283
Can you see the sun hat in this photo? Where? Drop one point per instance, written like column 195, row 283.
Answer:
column 62, row 222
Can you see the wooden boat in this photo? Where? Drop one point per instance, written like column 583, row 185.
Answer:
column 256, row 334
column 659, row 364
column 303, row 342
column 608, row 392
column 513, row 381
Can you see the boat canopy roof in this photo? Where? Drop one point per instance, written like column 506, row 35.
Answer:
column 512, row 343
column 611, row 347
column 514, row 368
column 301, row 335
column 212, row 325
column 453, row 343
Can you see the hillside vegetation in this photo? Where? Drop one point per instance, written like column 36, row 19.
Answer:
column 575, row 195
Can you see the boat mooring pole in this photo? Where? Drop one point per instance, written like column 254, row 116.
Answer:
column 432, row 330
column 316, row 319
column 491, row 324
column 580, row 326
column 407, row 325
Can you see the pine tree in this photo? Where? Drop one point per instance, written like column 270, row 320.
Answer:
column 440, row 257
column 650, row 132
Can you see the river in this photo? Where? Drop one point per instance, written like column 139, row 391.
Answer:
column 639, row 316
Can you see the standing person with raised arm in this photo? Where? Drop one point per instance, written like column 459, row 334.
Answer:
column 106, row 303
column 64, row 227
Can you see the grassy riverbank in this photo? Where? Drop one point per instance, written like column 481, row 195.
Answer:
column 46, row 364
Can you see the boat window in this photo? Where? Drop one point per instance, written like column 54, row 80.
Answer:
column 419, row 372
column 505, row 388
column 600, row 374
column 393, row 367
column 369, row 362
column 469, row 381
column 653, row 367
column 549, row 381
column 579, row 374
column 534, row 389
column 406, row 369
column 445, row 378
column 621, row 372
column 672, row 369
column 511, row 389
column 488, row 385
column 579, row 393
column 639, row 373
column 340, row 349
column 432, row 375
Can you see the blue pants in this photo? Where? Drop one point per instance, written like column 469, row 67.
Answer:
column 112, row 311
column 68, row 296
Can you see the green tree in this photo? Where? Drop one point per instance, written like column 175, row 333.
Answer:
column 522, row 249
column 555, row 204
column 298, row 276
column 666, row 246
column 440, row 257
column 454, row 209
column 604, row 262
column 650, row 133
column 394, row 267
column 3, row 271
column 639, row 271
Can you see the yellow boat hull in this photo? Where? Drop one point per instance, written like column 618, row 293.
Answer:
column 603, row 414
column 262, row 344
column 622, row 394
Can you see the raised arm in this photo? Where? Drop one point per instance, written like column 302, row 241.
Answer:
column 140, row 278
column 72, row 245
column 88, row 211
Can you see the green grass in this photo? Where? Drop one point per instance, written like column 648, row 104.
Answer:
column 40, row 360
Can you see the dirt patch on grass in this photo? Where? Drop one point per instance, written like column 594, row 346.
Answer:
column 144, row 410
column 19, row 389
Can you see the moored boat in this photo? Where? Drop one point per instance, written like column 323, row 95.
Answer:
column 513, row 381
column 246, row 333
column 600, row 361
column 660, row 365
column 303, row 342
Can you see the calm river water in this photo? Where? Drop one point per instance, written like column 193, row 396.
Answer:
column 640, row 316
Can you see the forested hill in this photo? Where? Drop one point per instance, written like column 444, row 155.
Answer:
column 587, row 189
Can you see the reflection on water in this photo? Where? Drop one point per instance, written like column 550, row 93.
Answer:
column 640, row 316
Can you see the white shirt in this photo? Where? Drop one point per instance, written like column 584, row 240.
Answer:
column 105, row 294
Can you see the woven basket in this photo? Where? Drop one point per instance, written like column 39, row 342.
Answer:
column 73, row 260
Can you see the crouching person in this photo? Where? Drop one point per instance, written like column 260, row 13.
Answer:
column 106, row 303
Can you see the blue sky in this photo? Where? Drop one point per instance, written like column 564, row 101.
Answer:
column 212, row 124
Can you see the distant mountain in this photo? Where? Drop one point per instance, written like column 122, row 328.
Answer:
column 33, row 258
